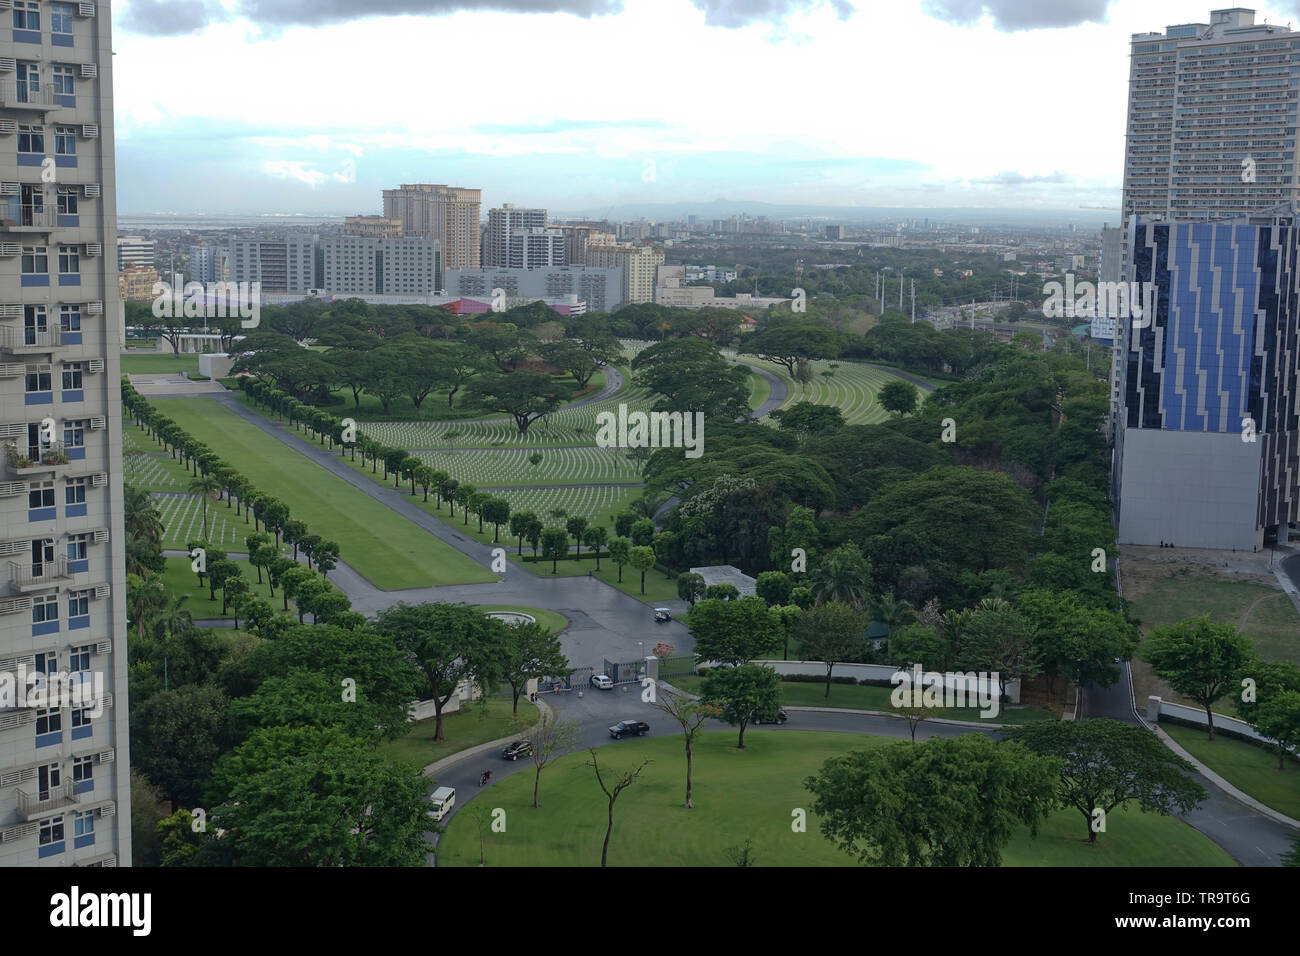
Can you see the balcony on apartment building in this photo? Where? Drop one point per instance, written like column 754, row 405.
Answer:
column 22, row 95
column 48, row 459
column 29, row 341
column 26, row 218
column 34, row 575
column 35, row 803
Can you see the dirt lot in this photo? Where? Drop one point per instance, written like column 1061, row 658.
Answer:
column 1169, row 585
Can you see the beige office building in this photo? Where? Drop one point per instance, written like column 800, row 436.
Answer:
column 64, row 760
column 372, row 227
column 637, row 262
column 449, row 214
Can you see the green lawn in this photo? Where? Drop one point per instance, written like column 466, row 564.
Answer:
column 1271, row 624
column 870, row 697
column 153, row 364
column 470, row 726
column 750, row 793
column 553, row 620
column 179, row 578
column 383, row 546
column 1251, row 769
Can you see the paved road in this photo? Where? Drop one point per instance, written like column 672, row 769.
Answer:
column 1249, row 837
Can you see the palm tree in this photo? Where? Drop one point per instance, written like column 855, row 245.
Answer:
column 141, row 515
column 138, row 551
column 144, row 596
column 206, row 486
column 172, row 619
column 889, row 611
column 842, row 577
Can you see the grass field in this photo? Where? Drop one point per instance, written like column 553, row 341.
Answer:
column 869, row 697
column 435, row 406
column 505, row 468
column 154, row 364
column 553, row 620
column 1250, row 769
column 750, row 793
column 380, row 544
column 179, row 578
column 1165, row 589
column 848, row 386
column 473, row 724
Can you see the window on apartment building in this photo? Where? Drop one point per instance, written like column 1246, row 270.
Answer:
column 74, row 493
column 70, row 318
column 27, row 15
column 65, row 141
column 49, row 720
column 83, row 768
column 31, row 139
column 48, row 778
column 40, row 494
column 45, row 608
column 69, row 260
column 64, row 79
column 72, row 375
column 67, row 199
column 80, row 661
column 74, row 433
column 39, row 380
column 47, row 663
column 78, row 604
column 83, row 823
column 81, row 717
column 61, row 19
column 51, row 831
column 36, row 261
column 28, row 82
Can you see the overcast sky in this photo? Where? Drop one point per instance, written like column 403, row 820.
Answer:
column 313, row 106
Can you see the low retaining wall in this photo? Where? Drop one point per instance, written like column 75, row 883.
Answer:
column 1157, row 706
column 882, row 673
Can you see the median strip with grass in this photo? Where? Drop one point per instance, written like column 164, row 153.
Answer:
column 380, row 544
column 1251, row 769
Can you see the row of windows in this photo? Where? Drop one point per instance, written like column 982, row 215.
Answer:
column 27, row 16
column 72, row 377
column 45, row 607
column 36, row 260
column 31, row 139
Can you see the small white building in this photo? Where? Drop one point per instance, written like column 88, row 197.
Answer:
column 726, row 574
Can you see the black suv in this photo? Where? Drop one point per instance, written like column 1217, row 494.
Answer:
column 626, row 728
column 520, row 748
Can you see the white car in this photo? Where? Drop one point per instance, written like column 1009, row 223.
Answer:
column 603, row 681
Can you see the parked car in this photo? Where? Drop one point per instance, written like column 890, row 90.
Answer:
column 441, row 802
column 662, row 615
column 780, row 718
column 520, row 748
column 628, row 728
column 603, row 681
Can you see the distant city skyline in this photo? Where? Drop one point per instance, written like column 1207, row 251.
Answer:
column 920, row 103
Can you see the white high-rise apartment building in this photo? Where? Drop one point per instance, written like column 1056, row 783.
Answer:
column 534, row 249
column 1212, row 119
column 136, row 252
column 501, row 223
column 363, row 265
column 280, row 265
column 209, row 264
column 64, row 761
column 449, row 214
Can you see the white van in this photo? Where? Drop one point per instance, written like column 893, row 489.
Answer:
column 442, row 800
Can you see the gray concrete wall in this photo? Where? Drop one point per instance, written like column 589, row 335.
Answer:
column 1194, row 489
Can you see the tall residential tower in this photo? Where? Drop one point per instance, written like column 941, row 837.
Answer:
column 64, row 772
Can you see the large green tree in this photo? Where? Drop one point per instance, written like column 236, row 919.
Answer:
column 1199, row 659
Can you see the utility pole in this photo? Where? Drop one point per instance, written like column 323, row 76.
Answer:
column 900, row 292
column 914, row 302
